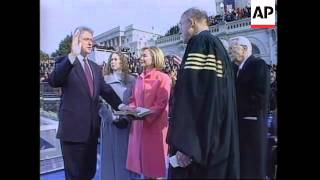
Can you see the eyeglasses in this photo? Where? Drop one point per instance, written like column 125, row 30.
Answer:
column 236, row 47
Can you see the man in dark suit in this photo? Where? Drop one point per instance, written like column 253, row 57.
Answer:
column 82, row 83
column 252, row 87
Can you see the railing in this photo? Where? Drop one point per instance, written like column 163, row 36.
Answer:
column 214, row 29
column 238, row 25
column 169, row 39
column 227, row 27
column 46, row 91
column 49, row 98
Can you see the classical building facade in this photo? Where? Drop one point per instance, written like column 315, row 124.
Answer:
column 130, row 37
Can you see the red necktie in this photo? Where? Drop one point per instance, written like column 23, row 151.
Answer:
column 88, row 76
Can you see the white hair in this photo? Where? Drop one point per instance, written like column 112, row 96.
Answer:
column 243, row 41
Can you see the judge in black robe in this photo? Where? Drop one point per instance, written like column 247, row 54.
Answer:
column 204, row 117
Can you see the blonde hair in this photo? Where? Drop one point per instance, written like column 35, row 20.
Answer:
column 124, row 66
column 157, row 57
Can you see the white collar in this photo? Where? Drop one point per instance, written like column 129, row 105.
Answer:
column 80, row 57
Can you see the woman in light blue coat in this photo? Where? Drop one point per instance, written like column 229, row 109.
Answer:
column 114, row 129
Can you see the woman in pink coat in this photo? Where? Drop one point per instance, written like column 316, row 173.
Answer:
column 147, row 149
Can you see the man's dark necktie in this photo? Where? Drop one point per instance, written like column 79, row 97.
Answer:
column 88, row 76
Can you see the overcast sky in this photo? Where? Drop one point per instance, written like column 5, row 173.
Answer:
column 59, row 17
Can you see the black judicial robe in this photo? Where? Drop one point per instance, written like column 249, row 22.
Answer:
column 204, row 117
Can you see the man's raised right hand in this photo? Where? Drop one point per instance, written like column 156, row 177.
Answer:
column 76, row 44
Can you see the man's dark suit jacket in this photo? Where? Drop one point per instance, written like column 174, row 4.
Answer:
column 253, row 88
column 78, row 113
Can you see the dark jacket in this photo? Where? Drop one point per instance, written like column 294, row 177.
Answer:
column 253, row 88
column 78, row 113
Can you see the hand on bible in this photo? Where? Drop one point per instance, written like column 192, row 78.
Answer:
column 183, row 160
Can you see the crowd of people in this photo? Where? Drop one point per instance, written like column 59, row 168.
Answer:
column 173, row 30
column 46, row 67
column 135, row 68
column 273, row 75
column 210, row 121
column 231, row 15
